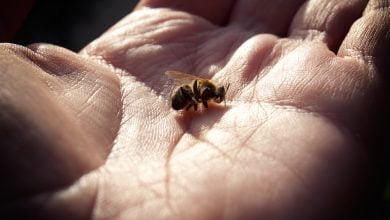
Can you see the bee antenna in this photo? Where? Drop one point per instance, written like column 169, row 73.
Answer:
column 227, row 88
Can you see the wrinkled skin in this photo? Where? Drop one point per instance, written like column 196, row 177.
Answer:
column 92, row 136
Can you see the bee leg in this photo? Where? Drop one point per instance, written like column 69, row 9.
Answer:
column 205, row 104
column 195, row 107
column 189, row 106
column 195, row 88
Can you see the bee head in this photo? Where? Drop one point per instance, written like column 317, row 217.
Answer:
column 220, row 93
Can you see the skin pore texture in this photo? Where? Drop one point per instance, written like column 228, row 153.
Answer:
column 91, row 135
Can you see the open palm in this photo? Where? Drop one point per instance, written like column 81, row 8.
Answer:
column 93, row 134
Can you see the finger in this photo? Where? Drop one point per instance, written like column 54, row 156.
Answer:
column 265, row 16
column 216, row 11
column 38, row 131
column 369, row 37
column 12, row 14
column 328, row 21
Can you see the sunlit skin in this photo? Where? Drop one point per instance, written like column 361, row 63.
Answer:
column 91, row 135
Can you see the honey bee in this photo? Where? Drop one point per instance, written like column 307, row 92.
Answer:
column 194, row 90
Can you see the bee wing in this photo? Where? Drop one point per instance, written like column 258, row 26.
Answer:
column 181, row 78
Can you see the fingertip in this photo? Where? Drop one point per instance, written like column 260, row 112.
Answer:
column 369, row 38
column 328, row 21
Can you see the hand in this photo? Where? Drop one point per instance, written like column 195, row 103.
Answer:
column 92, row 135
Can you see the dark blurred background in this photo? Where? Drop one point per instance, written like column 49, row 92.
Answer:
column 70, row 23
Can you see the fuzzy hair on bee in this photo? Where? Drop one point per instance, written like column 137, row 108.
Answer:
column 193, row 90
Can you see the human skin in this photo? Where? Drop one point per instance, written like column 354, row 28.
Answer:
column 91, row 135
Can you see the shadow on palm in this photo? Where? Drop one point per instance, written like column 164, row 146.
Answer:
column 280, row 73
column 283, row 93
column 287, row 146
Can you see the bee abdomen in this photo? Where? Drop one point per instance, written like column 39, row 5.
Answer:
column 182, row 98
column 179, row 102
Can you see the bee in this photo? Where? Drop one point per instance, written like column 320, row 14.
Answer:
column 194, row 90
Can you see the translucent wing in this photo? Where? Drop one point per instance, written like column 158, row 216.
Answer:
column 181, row 78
